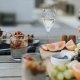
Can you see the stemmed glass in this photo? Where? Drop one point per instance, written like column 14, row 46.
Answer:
column 48, row 17
column 79, row 25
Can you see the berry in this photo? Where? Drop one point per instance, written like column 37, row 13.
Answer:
column 29, row 58
column 19, row 32
column 17, row 44
column 32, row 36
column 65, row 57
column 15, row 33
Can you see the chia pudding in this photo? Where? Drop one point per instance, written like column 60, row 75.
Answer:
column 18, row 44
column 32, row 69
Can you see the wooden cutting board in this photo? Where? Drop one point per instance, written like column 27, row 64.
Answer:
column 49, row 66
column 45, row 54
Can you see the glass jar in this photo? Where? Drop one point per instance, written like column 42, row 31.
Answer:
column 32, row 69
column 18, row 46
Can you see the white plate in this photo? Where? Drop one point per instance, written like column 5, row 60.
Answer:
column 7, row 41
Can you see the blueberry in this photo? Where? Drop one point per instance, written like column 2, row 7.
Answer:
column 65, row 57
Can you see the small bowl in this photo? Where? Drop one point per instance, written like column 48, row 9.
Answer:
column 55, row 61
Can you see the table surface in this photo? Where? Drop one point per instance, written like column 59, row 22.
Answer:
column 11, row 70
column 49, row 67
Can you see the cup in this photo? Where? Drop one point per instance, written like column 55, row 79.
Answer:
column 32, row 69
column 18, row 45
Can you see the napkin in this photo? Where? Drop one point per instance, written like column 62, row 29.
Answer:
column 5, row 49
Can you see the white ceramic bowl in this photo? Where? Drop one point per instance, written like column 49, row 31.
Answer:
column 56, row 61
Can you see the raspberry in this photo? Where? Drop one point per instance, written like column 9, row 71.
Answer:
column 29, row 58
column 19, row 32
column 17, row 44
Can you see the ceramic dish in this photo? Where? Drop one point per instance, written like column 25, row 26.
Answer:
column 55, row 61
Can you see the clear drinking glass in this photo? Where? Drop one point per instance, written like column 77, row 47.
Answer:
column 5, row 37
column 48, row 17
column 18, row 45
column 32, row 69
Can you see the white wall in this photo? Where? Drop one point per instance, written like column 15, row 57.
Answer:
column 24, row 9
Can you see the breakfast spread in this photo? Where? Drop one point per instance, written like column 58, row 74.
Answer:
column 32, row 69
column 64, row 67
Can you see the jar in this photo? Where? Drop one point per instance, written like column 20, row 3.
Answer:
column 18, row 45
column 32, row 69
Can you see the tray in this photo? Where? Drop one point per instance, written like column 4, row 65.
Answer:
column 45, row 56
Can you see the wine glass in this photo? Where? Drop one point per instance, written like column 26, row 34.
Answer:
column 48, row 17
column 79, row 25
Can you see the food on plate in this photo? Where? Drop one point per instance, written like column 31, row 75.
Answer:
column 32, row 69
column 62, row 57
column 63, row 72
column 60, row 76
column 69, row 65
column 61, row 67
column 51, row 47
column 76, row 70
column 44, row 47
column 70, row 45
column 54, row 46
column 78, row 45
column 57, row 46
column 77, row 48
column 61, row 45
column 18, row 44
column 67, row 74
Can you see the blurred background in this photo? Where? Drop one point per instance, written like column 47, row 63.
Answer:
column 25, row 15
